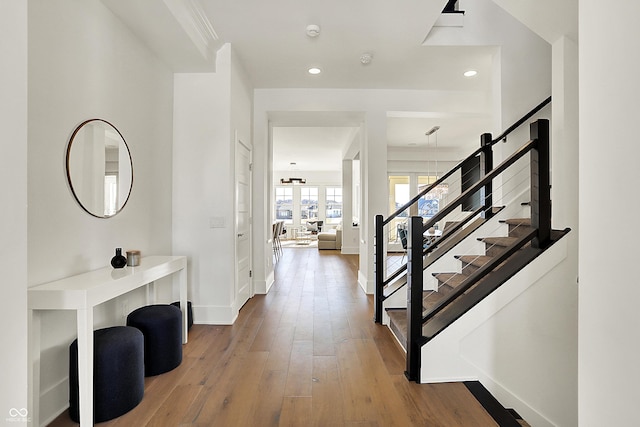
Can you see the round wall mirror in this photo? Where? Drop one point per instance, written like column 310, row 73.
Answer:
column 99, row 168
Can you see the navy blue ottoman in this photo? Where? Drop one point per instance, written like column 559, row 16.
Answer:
column 118, row 373
column 161, row 326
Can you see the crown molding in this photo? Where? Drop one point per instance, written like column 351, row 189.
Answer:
column 193, row 20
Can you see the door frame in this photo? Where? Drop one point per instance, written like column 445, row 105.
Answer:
column 249, row 147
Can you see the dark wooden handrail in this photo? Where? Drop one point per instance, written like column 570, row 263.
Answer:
column 522, row 121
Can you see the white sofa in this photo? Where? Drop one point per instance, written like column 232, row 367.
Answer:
column 330, row 239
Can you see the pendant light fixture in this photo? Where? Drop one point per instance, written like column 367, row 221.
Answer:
column 441, row 189
column 291, row 180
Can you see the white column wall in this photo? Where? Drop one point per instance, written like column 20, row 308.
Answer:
column 564, row 134
column 210, row 109
column 608, row 292
column 349, row 233
column 13, row 216
column 263, row 274
column 202, row 192
column 373, row 159
column 203, row 188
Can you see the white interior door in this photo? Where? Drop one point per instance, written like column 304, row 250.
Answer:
column 243, row 282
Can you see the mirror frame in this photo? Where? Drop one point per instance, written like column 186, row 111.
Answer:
column 70, row 182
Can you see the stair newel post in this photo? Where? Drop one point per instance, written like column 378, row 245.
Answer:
column 486, row 166
column 379, row 268
column 540, row 183
column 414, row 294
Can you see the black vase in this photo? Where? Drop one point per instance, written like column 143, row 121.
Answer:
column 119, row 260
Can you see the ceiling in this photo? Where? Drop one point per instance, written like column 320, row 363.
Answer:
column 271, row 41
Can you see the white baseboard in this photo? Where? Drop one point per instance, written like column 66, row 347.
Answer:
column 368, row 286
column 502, row 394
column 214, row 315
column 262, row 286
column 54, row 401
column 350, row 250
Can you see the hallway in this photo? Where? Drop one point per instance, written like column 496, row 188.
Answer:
column 307, row 353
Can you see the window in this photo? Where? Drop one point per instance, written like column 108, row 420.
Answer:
column 429, row 204
column 334, row 205
column 284, row 204
column 400, row 193
column 402, row 188
column 308, row 203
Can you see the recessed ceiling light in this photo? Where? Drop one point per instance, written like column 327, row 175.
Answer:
column 366, row 58
column 314, row 70
column 470, row 73
column 313, row 30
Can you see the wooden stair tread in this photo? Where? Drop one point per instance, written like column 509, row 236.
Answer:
column 398, row 324
column 499, row 241
column 450, row 279
column 475, row 260
column 432, row 298
column 517, row 221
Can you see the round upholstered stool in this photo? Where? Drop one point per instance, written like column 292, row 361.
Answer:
column 161, row 326
column 118, row 373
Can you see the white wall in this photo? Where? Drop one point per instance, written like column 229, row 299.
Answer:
column 523, row 63
column 210, row 109
column 84, row 63
column 609, row 371
column 13, row 216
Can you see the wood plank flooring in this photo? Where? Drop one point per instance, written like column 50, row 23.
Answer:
column 306, row 354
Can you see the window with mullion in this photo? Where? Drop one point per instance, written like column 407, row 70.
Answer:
column 284, row 204
column 308, row 203
column 333, row 205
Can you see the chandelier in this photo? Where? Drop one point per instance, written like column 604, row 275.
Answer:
column 293, row 169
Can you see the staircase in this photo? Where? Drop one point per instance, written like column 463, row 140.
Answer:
column 451, row 282
column 484, row 251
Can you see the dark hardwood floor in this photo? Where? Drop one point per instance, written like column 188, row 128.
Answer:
column 306, row 354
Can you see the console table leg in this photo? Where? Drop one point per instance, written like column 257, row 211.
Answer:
column 85, row 365
column 182, row 278
column 33, row 370
column 150, row 293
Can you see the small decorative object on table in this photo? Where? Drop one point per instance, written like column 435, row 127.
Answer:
column 133, row 258
column 118, row 261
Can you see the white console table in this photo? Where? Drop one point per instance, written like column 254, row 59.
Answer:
column 82, row 293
